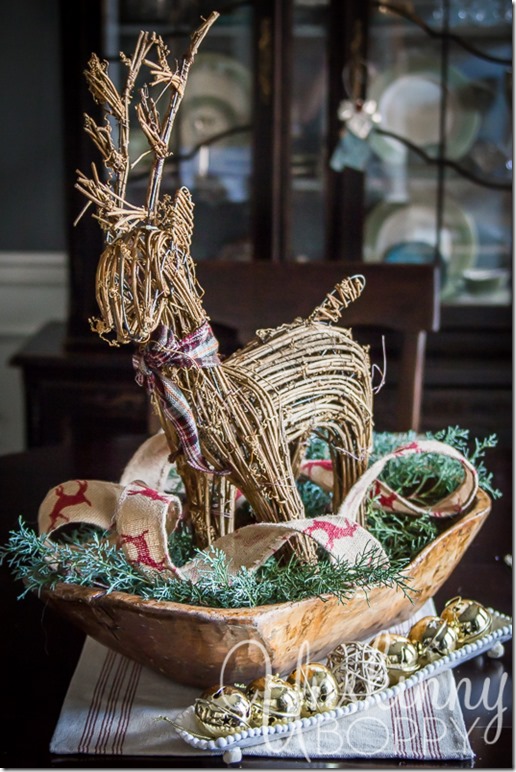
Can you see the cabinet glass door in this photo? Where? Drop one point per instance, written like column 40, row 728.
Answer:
column 211, row 142
column 308, row 130
column 438, row 181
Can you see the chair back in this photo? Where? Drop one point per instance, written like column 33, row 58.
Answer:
column 399, row 301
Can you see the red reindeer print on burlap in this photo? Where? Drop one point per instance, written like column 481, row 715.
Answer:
column 384, row 499
column 65, row 500
column 321, row 463
column 333, row 532
column 143, row 553
column 406, row 449
column 456, row 509
column 149, row 493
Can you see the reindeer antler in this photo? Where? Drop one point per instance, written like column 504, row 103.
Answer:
column 176, row 82
column 105, row 93
column 113, row 210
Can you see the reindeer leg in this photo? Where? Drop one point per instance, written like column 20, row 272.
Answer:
column 297, row 454
column 199, row 494
column 226, row 506
column 282, row 504
column 197, row 486
column 339, row 477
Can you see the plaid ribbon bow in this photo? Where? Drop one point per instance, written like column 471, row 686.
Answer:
column 198, row 349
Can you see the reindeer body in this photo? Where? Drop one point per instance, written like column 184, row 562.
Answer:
column 303, row 394
column 255, row 417
column 248, row 418
column 255, row 411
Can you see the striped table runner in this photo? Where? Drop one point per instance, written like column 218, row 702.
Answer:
column 113, row 706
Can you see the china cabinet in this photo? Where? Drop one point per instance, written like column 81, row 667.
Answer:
column 255, row 141
column 438, row 184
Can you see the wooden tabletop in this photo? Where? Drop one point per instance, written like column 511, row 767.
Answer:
column 40, row 649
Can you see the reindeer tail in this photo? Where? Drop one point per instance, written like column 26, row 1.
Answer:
column 341, row 296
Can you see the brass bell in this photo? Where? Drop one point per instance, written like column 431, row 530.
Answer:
column 222, row 711
column 433, row 637
column 470, row 619
column 318, row 686
column 401, row 654
column 273, row 701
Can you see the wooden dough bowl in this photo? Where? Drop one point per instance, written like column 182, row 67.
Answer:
column 202, row 646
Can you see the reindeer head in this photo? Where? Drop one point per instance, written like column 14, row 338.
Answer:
column 144, row 244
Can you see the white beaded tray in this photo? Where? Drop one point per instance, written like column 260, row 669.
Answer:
column 188, row 729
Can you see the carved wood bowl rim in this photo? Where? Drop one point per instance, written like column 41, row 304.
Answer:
column 480, row 508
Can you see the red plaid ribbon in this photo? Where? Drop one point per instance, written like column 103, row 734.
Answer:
column 198, row 349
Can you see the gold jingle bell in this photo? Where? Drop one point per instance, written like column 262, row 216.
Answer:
column 433, row 637
column 401, row 654
column 470, row 619
column 318, row 686
column 222, row 711
column 273, row 701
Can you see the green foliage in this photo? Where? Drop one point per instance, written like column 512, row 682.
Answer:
column 402, row 536
column 425, row 477
column 428, row 477
column 276, row 583
column 181, row 545
column 40, row 564
column 316, row 500
column 84, row 557
column 317, row 446
column 174, row 483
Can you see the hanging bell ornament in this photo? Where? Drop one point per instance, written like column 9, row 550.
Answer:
column 401, row 654
column 470, row 619
column 433, row 637
column 318, row 686
column 273, row 701
column 222, row 711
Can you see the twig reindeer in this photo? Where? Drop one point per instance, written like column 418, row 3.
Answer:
column 238, row 424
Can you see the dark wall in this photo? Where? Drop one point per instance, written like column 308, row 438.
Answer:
column 31, row 164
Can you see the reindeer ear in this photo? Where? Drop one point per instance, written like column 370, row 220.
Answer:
column 182, row 219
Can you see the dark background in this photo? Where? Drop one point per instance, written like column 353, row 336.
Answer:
column 32, row 189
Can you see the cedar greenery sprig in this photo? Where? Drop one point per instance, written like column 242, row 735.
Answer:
column 425, row 477
column 402, row 536
column 41, row 564
column 84, row 557
column 428, row 477
column 316, row 501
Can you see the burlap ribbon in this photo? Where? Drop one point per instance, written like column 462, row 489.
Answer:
column 456, row 502
column 142, row 517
